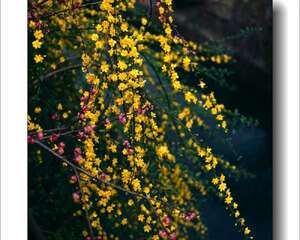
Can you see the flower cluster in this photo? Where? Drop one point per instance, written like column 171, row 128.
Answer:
column 133, row 144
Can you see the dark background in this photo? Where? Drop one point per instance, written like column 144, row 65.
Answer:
column 244, row 28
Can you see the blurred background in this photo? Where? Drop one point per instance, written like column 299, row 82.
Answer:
column 244, row 29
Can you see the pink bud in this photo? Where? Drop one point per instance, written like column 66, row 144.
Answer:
column 81, row 135
column 76, row 197
column 126, row 143
column 73, row 179
column 54, row 116
column 130, row 151
column 103, row 176
column 77, row 151
column 107, row 121
column 62, row 145
column 192, row 216
column 163, row 233
column 173, row 236
column 166, row 220
column 60, row 151
column 122, row 118
column 82, row 116
column 84, row 109
column 77, row 158
column 88, row 129
column 40, row 135
column 53, row 137
column 30, row 140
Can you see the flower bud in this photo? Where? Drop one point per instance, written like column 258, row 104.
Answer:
column 166, row 220
column 76, row 197
column 77, row 158
column 60, row 151
column 30, row 140
column 53, row 137
column 77, row 151
column 88, row 129
column 40, row 135
column 73, row 179
column 54, row 116
column 163, row 233
column 173, row 236
column 103, row 176
column 122, row 118
column 62, row 145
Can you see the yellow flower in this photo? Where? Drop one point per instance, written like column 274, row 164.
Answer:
column 190, row 97
column 228, row 199
column 126, row 176
column 144, row 21
column 38, row 58
column 130, row 202
column 222, row 187
column 122, row 65
column 36, row 44
column 124, row 27
column 147, row 228
column 124, row 221
column 146, row 190
column 104, row 67
column 37, row 110
column 94, row 37
column 186, row 62
column 99, row 44
column 59, row 106
column 247, row 231
column 136, row 185
column 65, row 115
column 141, row 217
column 215, row 181
column 38, row 34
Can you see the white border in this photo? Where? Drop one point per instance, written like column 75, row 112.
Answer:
column 292, row 151
column 286, row 154
column 13, row 121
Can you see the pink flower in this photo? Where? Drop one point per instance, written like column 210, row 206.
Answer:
column 73, row 179
column 81, row 135
column 40, row 135
column 82, row 116
column 126, row 143
column 103, row 176
column 30, row 140
column 77, row 151
column 166, row 220
column 77, row 158
column 141, row 111
column 60, row 151
column 84, row 109
column 130, row 151
column 53, row 137
column 190, row 216
column 76, row 197
column 88, row 129
column 173, row 236
column 122, row 118
column 163, row 233
column 62, row 145
column 54, row 116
